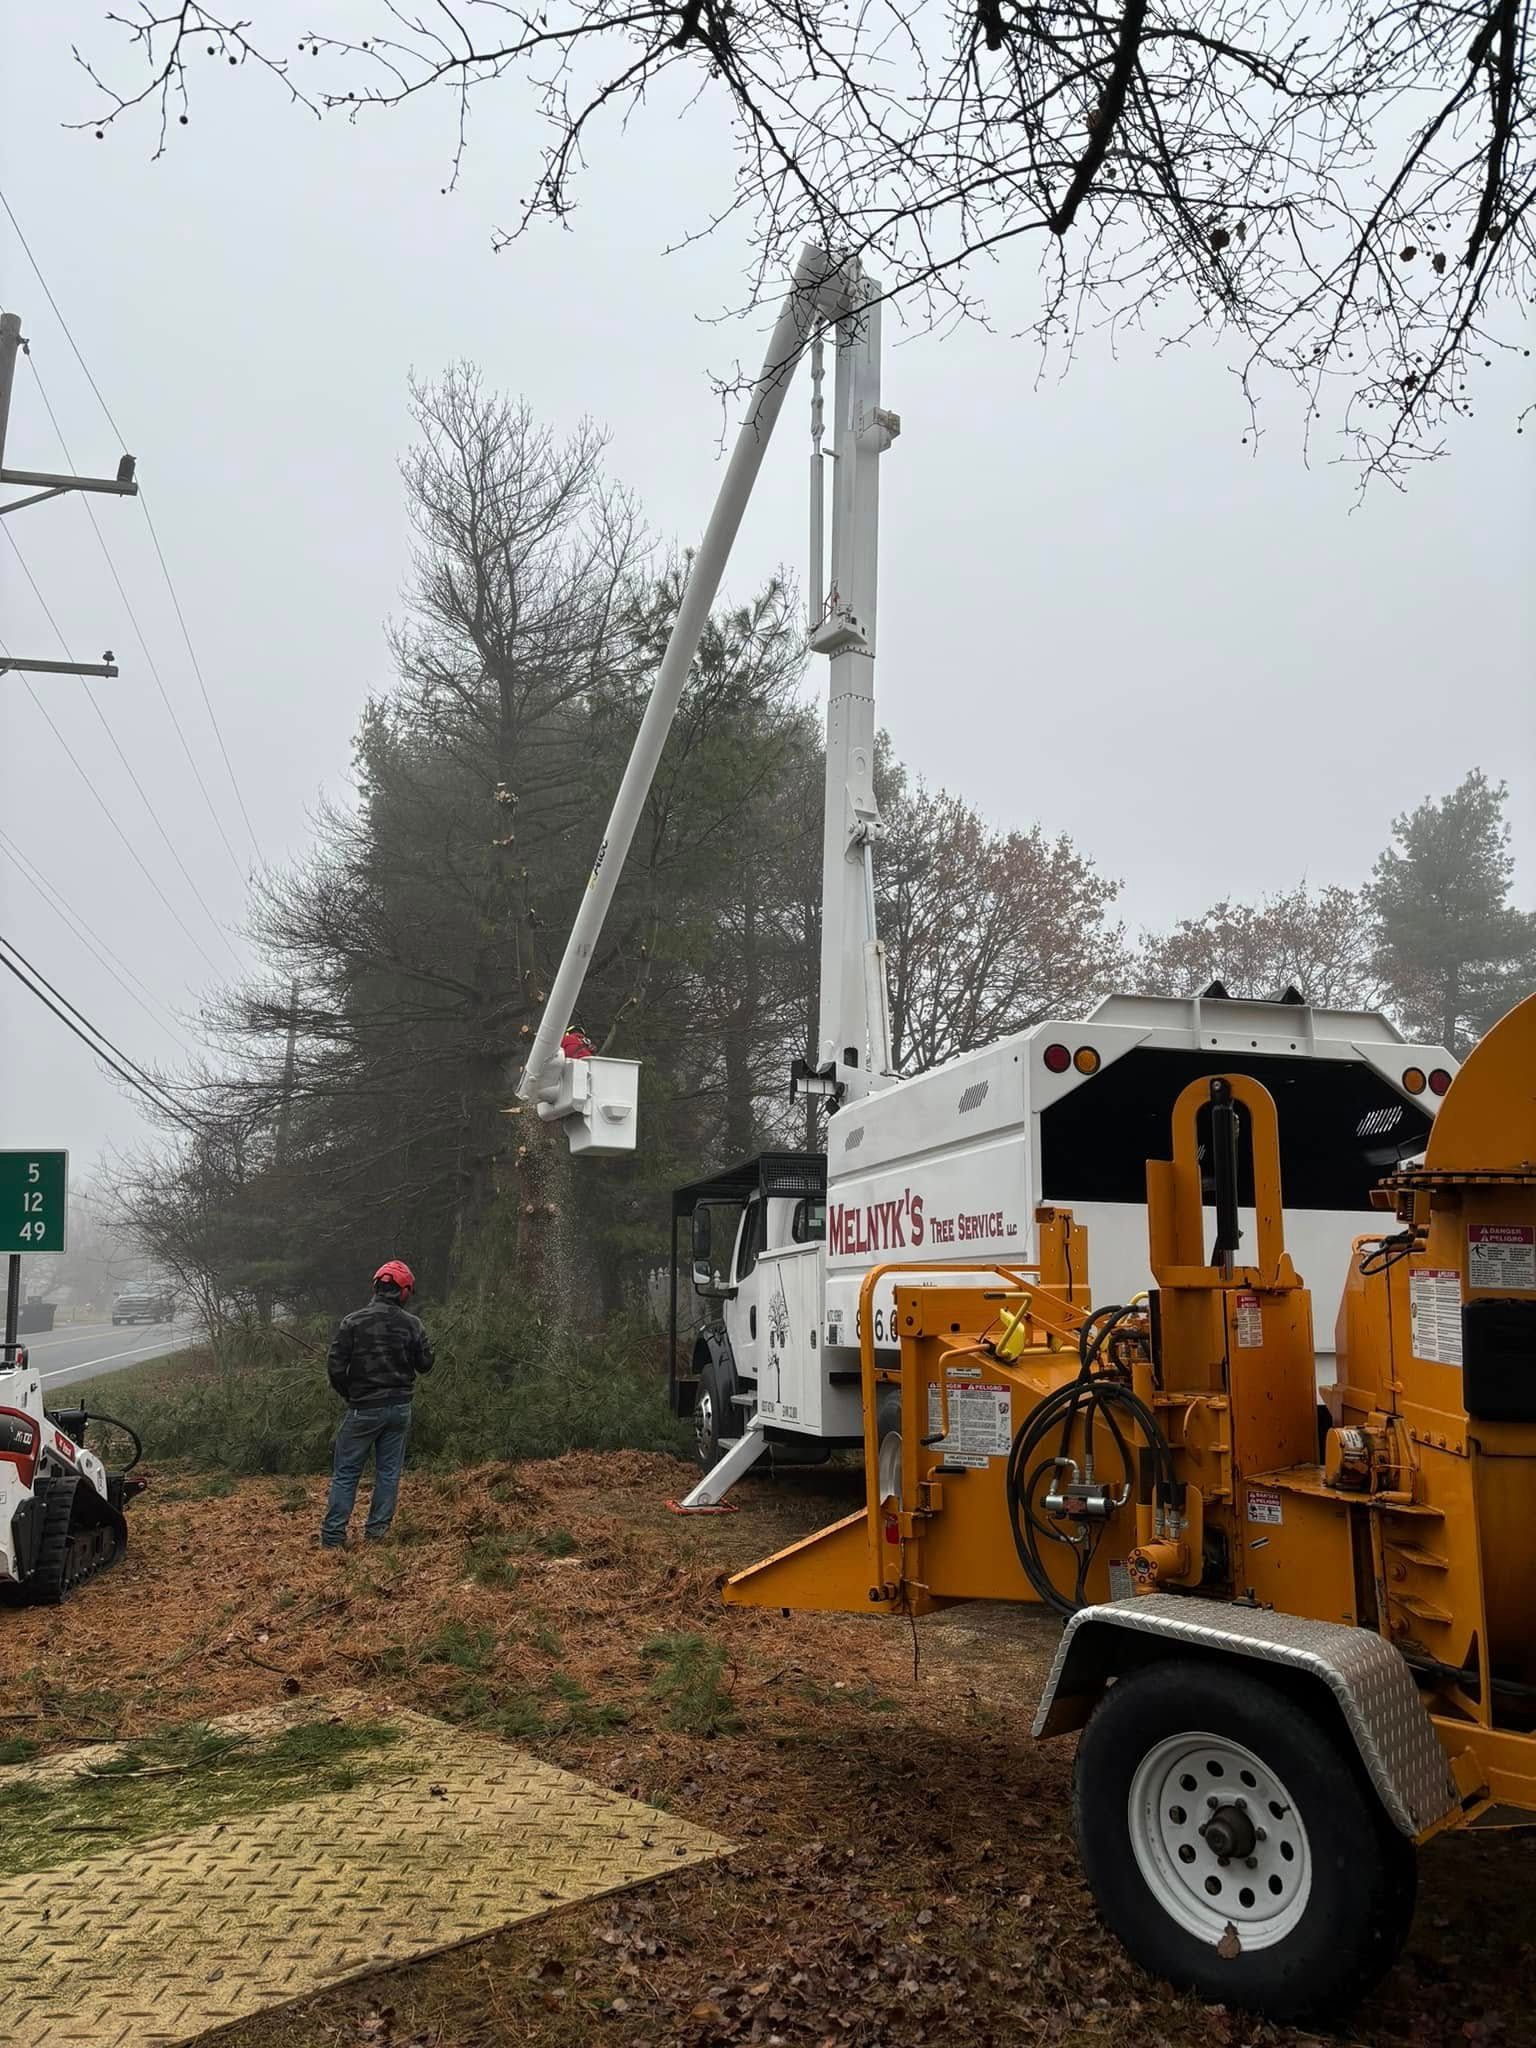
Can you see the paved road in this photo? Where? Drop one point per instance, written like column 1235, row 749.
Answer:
column 84, row 1351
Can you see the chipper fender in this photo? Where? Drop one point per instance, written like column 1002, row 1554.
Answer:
column 1369, row 1686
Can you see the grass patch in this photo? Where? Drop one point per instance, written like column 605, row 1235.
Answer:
column 17, row 1749
column 513, row 1714
column 580, row 1713
column 153, row 1379
column 687, row 1683
column 491, row 1562
column 65, row 1715
column 517, row 1714
column 493, row 1559
column 191, row 1482
column 171, row 1783
column 464, row 1648
column 864, row 1695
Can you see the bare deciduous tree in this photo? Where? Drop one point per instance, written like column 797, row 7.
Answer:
column 987, row 931
column 1347, row 190
column 1321, row 943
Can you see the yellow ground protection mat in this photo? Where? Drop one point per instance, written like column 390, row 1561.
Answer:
column 151, row 1945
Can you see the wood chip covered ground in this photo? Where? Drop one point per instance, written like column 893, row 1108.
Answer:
column 905, row 1877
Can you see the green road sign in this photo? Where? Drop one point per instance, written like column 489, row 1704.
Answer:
column 34, row 1190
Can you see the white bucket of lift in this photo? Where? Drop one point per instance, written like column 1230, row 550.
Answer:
column 598, row 1101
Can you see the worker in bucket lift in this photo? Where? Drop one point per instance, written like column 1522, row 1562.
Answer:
column 373, row 1363
column 576, row 1045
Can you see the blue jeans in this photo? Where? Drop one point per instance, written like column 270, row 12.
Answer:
column 382, row 1430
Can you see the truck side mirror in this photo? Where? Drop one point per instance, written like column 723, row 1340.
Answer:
column 703, row 1278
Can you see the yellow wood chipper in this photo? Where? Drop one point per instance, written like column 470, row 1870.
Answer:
column 1300, row 1635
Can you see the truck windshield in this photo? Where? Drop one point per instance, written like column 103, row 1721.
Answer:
column 1342, row 1127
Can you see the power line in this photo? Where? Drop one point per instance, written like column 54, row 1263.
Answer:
column 111, row 819
column 101, row 542
column 149, row 1080
column 197, row 670
column 127, row 764
column 92, row 940
column 119, row 1062
column 48, row 295
column 122, row 441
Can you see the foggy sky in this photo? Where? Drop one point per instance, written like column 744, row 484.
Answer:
column 1209, row 665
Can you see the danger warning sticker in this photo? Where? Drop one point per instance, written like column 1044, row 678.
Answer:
column 1501, row 1255
column 1250, row 1323
column 1434, row 1314
column 1264, row 1505
column 980, row 1422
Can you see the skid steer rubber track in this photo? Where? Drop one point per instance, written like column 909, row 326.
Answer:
column 82, row 1535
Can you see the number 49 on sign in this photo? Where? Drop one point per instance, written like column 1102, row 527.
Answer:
column 33, row 1197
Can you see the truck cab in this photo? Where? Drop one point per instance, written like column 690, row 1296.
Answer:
column 749, row 1289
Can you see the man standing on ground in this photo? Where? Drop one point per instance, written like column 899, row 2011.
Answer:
column 373, row 1362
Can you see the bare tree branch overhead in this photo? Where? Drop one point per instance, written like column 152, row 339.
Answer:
column 1344, row 190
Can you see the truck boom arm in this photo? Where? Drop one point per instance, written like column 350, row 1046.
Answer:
column 816, row 294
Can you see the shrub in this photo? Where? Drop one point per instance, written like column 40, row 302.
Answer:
column 688, row 1684
column 506, row 1385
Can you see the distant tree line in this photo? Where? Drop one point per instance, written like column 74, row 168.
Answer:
column 1432, row 937
column 359, row 1102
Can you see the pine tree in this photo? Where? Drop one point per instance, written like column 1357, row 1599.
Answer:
column 1451, row 948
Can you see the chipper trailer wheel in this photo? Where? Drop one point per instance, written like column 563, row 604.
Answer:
column 1232, row 1844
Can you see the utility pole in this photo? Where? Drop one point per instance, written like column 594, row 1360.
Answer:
column 40, row 485
column 10, row 342
column 48, row 484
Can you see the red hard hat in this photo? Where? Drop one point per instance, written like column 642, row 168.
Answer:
column 399, row 1272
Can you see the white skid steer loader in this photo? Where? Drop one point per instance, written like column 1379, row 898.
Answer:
column 61, row 1510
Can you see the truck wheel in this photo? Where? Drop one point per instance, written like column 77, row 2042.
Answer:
column 714, row 1414
column 1234, row 1847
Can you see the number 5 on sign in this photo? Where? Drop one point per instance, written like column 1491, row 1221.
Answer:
column 34, row 1192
